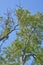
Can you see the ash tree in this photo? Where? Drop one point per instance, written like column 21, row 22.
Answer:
column 29, row 36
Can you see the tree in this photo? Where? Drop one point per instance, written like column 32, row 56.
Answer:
column 28, row 41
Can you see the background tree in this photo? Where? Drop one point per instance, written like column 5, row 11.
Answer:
column 28, row 39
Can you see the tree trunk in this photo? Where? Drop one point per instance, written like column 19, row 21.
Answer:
column 21, row 61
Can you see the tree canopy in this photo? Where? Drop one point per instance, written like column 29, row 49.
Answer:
column 29, row 36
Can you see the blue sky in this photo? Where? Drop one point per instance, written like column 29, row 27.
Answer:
column 32, row 5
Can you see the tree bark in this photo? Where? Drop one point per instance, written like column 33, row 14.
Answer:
column 21, row 61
